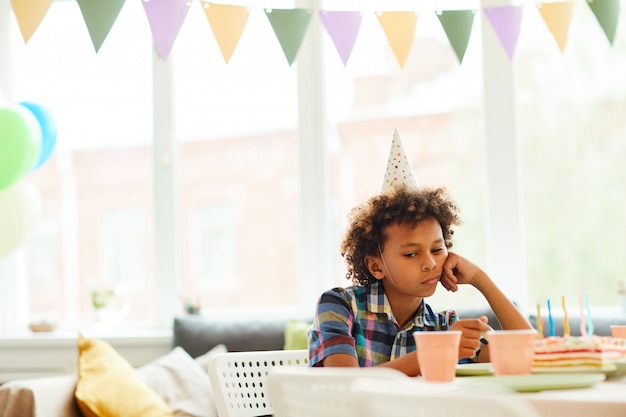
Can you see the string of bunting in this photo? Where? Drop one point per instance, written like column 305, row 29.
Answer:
column 228, row 21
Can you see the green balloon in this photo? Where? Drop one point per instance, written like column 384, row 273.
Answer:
column 20, row 143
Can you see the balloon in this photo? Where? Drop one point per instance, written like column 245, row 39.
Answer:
column 48, row 130
column 20, row 143
column 20, row 215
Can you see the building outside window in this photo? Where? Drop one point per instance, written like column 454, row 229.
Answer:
column 217, row 254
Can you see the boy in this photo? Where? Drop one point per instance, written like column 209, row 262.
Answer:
column 396, row 248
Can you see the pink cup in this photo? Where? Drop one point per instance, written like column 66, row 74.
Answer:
column 512, row 351
column 618, row 331
column 438, row 354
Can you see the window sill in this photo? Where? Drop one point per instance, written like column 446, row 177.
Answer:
column 124, row 337
column 32, row 355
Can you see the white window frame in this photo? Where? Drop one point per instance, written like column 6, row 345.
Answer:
column 505, row 239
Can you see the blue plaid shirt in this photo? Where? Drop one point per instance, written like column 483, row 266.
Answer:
column 358, row 321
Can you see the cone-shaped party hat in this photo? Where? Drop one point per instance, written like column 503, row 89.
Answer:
column 399, row 170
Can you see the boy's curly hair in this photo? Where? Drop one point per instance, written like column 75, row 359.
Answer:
column 399, row 205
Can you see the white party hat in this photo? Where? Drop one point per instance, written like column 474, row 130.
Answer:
column 399, row 170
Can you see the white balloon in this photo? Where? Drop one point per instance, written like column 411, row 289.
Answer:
column 20, row 215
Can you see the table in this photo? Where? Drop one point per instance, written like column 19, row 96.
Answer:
column 606, row 398
column 602, row 399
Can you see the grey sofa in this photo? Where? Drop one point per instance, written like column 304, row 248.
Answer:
column 197, row 335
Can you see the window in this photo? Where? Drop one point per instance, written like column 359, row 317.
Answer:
column 217, row 258
column 8, row 286
column 121, row 240
column 102, row 105
column 236, row 139
column 572, row 135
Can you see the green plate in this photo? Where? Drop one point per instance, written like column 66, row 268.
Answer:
column 474, row 369
column 536, row 382
column 483, row 369
column 620, row 369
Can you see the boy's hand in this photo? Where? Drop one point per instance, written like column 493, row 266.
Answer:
column 458, row 270
column 472, row 330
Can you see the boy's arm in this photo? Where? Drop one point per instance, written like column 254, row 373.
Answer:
column 407, row 364
column 508, row 314
column 458, row 270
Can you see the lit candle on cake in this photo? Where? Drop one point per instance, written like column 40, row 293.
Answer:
column 539, row 323
column 589, row 322
column 583, row 322
column 550, row 320
column 565, row 319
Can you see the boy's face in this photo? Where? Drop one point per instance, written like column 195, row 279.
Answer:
column 413, row 258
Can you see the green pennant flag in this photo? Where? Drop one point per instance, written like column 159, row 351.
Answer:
column 458, row 26
column 289, row 26
column 99, row 16
column 607, row 13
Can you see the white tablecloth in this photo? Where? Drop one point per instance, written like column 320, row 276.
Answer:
column 606, row 398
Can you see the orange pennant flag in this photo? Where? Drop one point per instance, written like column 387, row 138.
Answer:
column 227, row 23
column 29, row 14
column 399, row 28
column 557, row 17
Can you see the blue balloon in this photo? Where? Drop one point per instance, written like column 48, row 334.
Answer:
column 48, row 131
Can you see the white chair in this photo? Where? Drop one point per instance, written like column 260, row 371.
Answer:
column 319, row 392
column 415, row 398
column 239, row 379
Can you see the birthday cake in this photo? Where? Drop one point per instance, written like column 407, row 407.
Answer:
column 573, row 353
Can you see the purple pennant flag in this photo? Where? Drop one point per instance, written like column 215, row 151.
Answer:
column 343, row 28
column 166, row 18
column 506, row 21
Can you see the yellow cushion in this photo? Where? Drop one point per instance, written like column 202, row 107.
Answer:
column 108, row 386
column 296, row 335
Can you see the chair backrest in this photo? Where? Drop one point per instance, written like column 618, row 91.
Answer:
column 319, row 392
column 239, row 379
column 415, row 398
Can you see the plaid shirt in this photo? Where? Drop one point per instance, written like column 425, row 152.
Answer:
column 358, row 321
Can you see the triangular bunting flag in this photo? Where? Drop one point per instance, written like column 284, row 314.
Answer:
column 227, row 23
column 557, row 17
column 607, row 13
column 506, row 22
column 289, row 25
column 29, row 14
column 458, row 27
column 399, row 27
column 343, row 28
column 99, row 17
column 165, row 18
